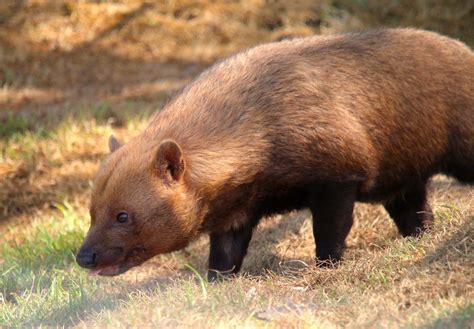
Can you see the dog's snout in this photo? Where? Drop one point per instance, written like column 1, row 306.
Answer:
column 86, row 258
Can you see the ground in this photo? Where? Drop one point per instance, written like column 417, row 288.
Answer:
column 73, row 72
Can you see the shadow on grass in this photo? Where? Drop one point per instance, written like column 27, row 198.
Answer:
column 89, row 72
column 19, row 197
column 10, row 11
column 14, row 125
column 73, row 313
column 266, row 241
column 18, row 184
column 263, row 255
column 19, row 190
column 70, row 315
column 461, row 318
column 462, row 236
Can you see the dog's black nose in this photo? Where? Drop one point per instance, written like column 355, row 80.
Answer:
column 86, row 258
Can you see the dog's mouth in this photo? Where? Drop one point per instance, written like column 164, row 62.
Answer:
column 134, row 258
column 108, row 270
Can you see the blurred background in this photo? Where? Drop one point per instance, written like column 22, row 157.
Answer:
column 54, row 51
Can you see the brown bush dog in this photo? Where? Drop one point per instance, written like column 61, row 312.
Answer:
column 318, row 122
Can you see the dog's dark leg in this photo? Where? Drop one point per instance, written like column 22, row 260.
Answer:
column 332, row 205
column 411, row 211
column 228, row 251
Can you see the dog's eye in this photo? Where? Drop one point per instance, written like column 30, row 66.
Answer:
column 122, row 217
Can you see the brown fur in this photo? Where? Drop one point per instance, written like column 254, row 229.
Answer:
column 263, row 132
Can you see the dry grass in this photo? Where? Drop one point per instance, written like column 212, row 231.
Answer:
column 72, row 72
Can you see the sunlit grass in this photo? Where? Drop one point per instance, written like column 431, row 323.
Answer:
column 39, row 281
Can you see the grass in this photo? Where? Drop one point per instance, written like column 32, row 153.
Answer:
column 72, row 73
column 403, row 280
column 14, row 124
column 37, row 281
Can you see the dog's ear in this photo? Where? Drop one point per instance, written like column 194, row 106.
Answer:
column 114, row 144
column 169, row 162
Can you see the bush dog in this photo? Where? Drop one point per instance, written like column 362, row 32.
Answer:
column 317, row 122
